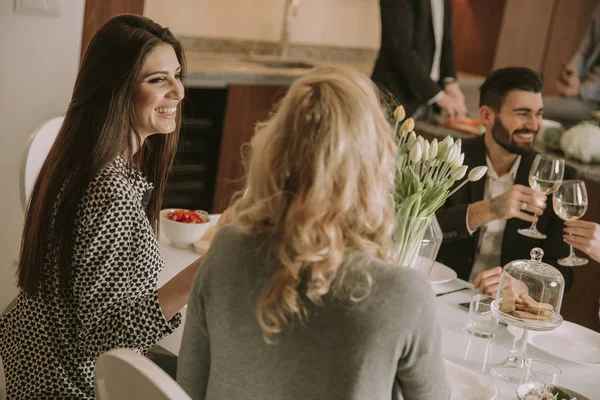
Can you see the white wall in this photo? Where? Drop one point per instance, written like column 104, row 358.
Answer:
column 346, row 23
column 39, row 57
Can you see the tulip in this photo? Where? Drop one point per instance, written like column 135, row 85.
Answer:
column 448, row 140
column 408, row 125
column 477, row 173
column 445, row 145
column 451, row 154
column 459, row 160
column 415, row 153
column 458, row 144
column 459, row 172
column 433, row 149
column 412, row 139
column 399, row 113
column 474, row 175
column 426, row 148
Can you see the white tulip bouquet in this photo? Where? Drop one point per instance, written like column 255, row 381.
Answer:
column 425, row 175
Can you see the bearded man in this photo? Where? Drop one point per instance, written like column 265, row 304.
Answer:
column 480, row 221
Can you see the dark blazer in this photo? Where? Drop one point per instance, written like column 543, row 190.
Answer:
column 405, row 58
column 458, row 248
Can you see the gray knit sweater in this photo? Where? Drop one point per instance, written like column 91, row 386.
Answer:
column 386, row 347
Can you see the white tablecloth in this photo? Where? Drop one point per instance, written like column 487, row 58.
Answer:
column 473, row 353
column 176, row 259
column 470, row 352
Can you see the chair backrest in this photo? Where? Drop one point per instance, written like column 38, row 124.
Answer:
column 123, row 374
column 37, row 148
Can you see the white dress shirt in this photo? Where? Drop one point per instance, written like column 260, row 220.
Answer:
column 490, row 239
column 437, row 15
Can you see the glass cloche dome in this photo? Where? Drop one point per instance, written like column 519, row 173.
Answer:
column 529, row 296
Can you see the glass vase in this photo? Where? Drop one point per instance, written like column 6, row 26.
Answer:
column 417, row 240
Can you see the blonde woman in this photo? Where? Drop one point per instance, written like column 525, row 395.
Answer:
column 296, row 299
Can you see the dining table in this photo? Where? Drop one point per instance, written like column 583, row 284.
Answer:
column 468, row 358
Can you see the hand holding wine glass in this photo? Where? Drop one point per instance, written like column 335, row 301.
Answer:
column 584, row 236
column 545, row 176
column 570, row 203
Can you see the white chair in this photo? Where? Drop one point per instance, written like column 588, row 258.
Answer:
column 123, row 374
column 37, row 148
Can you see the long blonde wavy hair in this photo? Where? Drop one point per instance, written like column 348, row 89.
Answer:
column 320, row 171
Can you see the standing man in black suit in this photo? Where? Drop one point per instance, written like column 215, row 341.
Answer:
column 480, row 220
column 416, row 56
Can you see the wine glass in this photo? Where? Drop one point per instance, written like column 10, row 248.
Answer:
column 545, row 176
column 570, row 202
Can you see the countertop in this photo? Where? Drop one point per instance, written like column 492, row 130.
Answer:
column 586, row 171
column 221, row 70
column 207, row 69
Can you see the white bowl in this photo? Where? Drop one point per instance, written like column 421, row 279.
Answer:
column 525, row 388
column 181, row 234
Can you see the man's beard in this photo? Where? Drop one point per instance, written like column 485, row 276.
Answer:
column 506, row 140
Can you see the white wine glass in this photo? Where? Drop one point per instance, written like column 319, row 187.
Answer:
column 570, row 202
column 545, row 176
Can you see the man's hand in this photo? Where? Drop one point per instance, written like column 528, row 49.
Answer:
column 453, row 90
column 584, row 236
column 488, row 280
column 516, row 201
column 569, row 84
column 511, row 204
column 452, row 106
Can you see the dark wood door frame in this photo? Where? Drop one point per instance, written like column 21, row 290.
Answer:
column 97, row 12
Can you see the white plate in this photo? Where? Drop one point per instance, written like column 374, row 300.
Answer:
column 441, row 273
column 468, row 385
column 570, row 342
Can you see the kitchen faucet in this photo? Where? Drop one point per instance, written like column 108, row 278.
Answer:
column 290, row 11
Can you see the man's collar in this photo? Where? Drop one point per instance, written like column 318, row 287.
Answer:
column 512, row 173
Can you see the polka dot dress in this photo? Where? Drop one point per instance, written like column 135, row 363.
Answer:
column 49, row 343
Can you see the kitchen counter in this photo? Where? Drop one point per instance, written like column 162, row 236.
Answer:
column 221, row 70
column 440, row 132
column 586, row 171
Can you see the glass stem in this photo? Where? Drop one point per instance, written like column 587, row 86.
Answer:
column 571, row 251
column 534, row 224
column 517, row 353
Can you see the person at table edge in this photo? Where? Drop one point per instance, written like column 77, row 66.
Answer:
column 480, row 221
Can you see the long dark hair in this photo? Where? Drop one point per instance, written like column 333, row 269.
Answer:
column 99, row 126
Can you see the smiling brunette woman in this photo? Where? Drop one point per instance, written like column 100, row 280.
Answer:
column 89, row 258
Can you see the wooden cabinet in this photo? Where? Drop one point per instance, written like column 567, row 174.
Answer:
column 539, row 34
column 191, row 181
column 217, row 123
column 475, row 31
column 542, row 34
column 97, row 12
column 246, row 105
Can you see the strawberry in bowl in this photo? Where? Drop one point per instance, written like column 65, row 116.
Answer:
column 183, row 227
column 188, row 216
